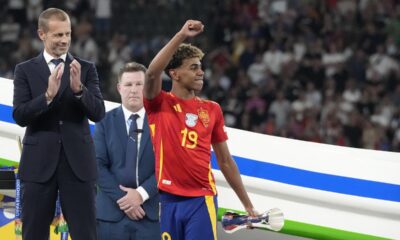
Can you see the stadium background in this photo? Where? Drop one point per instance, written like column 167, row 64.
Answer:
column 323, row 71
column 316, row 70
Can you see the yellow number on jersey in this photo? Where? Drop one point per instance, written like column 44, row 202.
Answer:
column 189, row 136
column 166, row 236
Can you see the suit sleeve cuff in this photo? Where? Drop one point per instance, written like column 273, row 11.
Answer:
column 143, row 193
column 79, row 94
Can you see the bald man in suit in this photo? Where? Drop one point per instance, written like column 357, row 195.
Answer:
column 55, row 94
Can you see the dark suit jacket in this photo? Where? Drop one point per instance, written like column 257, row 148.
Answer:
column 64, row 122
column 110, row 137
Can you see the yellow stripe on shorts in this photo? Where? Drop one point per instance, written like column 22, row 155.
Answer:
column 212, row 212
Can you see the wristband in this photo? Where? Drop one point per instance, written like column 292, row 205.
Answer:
column 79, row 93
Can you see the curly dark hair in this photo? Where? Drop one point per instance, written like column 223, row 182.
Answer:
column 183, row 52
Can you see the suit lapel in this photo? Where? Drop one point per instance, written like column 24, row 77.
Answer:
column 42, row 68
column 65, row 82
column 120, row 127
column 145, row 137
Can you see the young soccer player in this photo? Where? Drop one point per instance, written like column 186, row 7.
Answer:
column 183, row 128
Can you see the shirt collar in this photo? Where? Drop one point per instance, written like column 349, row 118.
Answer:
column 48, row 57
column 128, row 113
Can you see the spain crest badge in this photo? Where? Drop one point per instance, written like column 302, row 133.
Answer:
column 203, row 116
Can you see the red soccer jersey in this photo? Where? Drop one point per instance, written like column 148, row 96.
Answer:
column 182, row 132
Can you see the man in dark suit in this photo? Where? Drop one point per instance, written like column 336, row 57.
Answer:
column 54, row 101
column 127, row 199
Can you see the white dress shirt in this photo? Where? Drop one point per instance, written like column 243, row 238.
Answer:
column 139, row 122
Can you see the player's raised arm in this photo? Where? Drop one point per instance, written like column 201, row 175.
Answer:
column 152, row 84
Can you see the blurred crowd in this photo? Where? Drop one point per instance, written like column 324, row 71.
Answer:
column 317, row 70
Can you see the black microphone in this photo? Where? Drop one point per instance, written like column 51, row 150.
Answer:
column 138, row 131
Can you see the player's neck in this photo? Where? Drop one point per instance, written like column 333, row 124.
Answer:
column 183, row 93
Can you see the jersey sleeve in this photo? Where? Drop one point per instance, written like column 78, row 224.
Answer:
column 154, row 104
column 218, row 133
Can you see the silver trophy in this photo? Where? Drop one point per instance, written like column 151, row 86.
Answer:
column 272, row 220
